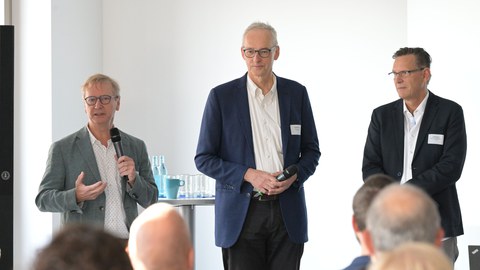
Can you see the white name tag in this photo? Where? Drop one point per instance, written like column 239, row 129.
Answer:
column 435, row 139
column 296, row 129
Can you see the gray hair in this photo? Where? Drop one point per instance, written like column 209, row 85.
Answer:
column 263, row 26
column 100, row 78
column 402, row 213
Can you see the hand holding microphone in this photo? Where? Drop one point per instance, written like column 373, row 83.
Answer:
column 116, row 140
column 287, row 173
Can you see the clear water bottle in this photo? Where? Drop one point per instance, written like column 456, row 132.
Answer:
column 159, row 173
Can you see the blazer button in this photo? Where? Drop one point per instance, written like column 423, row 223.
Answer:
column 101, row 208
column 399, row 174
column 248, row 195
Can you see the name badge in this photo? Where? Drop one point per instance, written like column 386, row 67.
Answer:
column 296, row 129
column 435, row 139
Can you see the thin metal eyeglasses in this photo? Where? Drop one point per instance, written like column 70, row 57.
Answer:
column 104, row 99
column 264, row 53
column 405, row 73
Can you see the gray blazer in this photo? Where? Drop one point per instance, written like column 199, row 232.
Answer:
column 74, row 154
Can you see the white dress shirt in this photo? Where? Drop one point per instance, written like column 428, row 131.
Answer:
column 266, row 127
column 115, row 217
column 412, row 124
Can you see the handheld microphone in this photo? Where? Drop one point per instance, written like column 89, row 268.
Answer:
column 287, row 173
column 116, row 140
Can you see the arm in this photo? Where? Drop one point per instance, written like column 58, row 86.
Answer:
column 372, row 154
column 221, row 148
column 143, row 190
column 309, row 146
column 55, row 194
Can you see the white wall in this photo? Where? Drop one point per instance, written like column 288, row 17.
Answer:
column 167, row 55
column 32, row 123
column 451, row 32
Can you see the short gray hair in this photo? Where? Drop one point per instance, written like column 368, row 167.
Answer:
column 402, row 213
column 100, row 78
column 263, row 26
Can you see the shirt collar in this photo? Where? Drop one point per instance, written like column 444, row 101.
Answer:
column 94, row 140
column 255, row 90
column 420, row 108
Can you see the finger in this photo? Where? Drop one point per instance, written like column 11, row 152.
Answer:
column 79, row 180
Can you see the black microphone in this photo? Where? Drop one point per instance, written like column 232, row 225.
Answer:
column 287, row 173
column 116, row 140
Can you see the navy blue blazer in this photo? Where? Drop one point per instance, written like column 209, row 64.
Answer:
column 435, row 167
column 225, row 152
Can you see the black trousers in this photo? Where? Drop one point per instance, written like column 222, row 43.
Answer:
column 263, row 243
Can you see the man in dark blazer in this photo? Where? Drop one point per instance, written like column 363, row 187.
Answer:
column 420, row 139
column 84, row 181
column 252, row 128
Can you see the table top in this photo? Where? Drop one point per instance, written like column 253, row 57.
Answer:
column 188, row 201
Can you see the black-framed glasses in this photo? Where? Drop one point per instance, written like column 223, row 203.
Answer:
column 405, row 73
column 104, row 99
column 264, row 53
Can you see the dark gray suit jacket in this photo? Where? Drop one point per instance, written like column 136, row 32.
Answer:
column 74, row 154
column 435, row 167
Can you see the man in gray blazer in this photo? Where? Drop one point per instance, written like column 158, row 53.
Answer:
column 85, row 180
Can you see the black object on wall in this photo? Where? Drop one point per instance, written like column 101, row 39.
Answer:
column 6, row 146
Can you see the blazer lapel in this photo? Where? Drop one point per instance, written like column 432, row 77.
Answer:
column 86, row 150
column 399, row 132
column 431, row 110
column 241, row 97
column 284, row 104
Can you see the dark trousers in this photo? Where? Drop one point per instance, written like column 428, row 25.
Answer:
column 263, row 243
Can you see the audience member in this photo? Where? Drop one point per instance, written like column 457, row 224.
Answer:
column 413, row 256
column 159, row 239
column 83, row 247
column 399, row 214
column 361, row 201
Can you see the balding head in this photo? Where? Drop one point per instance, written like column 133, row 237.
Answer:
column 159, row 239
column 402, row 213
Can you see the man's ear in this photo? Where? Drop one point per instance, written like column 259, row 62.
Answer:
column 439, row 237
column 368, row 242
column 191, row 259
column 354, row 225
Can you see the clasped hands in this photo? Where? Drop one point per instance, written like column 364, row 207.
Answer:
column 267, row 183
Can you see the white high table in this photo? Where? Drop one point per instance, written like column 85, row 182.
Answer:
column 186, row 208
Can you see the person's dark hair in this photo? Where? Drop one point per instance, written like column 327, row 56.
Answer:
column 423, row 59
column 82, row 247
column 365, row 195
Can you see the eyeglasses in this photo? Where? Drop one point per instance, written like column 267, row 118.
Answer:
column 264, row 53
column 404, row 73
column 104, row 99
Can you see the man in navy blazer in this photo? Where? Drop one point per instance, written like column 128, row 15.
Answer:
column 84, row 181
column 420, row 139
column 252, row 128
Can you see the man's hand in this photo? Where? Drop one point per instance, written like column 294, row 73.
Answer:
column 266, row 182
column 126, row 167
column 88, row 193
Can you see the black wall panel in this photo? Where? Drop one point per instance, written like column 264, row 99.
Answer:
column 6, row 146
